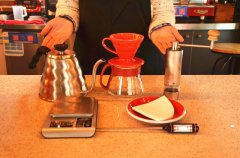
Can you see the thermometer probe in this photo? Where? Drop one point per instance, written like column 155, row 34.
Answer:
column 170, row 128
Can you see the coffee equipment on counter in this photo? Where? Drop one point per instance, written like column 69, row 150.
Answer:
column 32, row 6
column 19, row 12
column 194, row 8
column 44, row 8
column 62, row 75
column 71, row 117
column 173, row 65
column 173, row 70
column 125, row 78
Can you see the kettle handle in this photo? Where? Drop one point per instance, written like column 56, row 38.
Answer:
column 42, row 50
column 101, row 77
column 106, row 47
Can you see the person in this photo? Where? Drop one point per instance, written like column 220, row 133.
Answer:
column 93, row 20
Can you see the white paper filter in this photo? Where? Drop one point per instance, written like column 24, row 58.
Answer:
column 158, row 109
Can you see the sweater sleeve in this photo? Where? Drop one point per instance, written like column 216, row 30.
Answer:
column 69, row 8
column 162, row 12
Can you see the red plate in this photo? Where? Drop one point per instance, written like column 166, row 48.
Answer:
column 179, row 110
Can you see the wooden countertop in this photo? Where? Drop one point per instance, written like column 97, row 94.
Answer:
column 210, row 101
column 227, row 48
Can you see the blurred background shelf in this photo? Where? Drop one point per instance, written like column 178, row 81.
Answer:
column 192, row 23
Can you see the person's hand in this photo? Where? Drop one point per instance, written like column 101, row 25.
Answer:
column 163, row 37
column 56, row 31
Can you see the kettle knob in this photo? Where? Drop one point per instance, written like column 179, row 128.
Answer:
column 60, row 47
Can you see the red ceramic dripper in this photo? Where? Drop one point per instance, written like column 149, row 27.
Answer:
column 125, row 44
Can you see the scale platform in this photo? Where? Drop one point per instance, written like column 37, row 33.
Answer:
column 72, row 117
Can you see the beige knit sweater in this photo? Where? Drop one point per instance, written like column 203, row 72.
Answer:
column 162, row 11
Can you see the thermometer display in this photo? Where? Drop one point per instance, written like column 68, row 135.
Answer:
column 181, row 128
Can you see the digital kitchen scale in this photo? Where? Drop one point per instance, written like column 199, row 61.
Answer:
column 72, row 117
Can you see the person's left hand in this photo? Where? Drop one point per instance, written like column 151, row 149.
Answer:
column 163, row 37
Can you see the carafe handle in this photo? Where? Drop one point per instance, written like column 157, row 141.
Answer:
column 101, row 77
column 106, row 47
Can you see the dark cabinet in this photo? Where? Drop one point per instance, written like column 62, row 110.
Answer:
column 200, row 60
column 187, row 52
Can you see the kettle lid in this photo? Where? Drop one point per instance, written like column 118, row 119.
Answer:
column 61, row 52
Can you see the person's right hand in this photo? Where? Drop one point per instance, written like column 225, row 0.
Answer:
column 56, row 31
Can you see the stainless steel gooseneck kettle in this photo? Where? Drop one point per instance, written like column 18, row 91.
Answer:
column 62, row 75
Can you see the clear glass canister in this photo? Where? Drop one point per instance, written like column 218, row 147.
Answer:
column 126, row 85
column 124, row 80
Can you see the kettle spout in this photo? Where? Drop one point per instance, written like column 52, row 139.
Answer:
column 94, row 71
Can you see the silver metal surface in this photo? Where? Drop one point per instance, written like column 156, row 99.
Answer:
column 172, row 76
column 63, row 77
column 212, row 44
column 208, row 26
column 94, row 74
column 75, row 130
column 194, row 45
column 73, row 107
column 23, row 27
column 179, row 26
column 175, row 45
column 191, row 1
column 198, row 1
column 201, row 6
column 137, row 129
column 173, row 67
